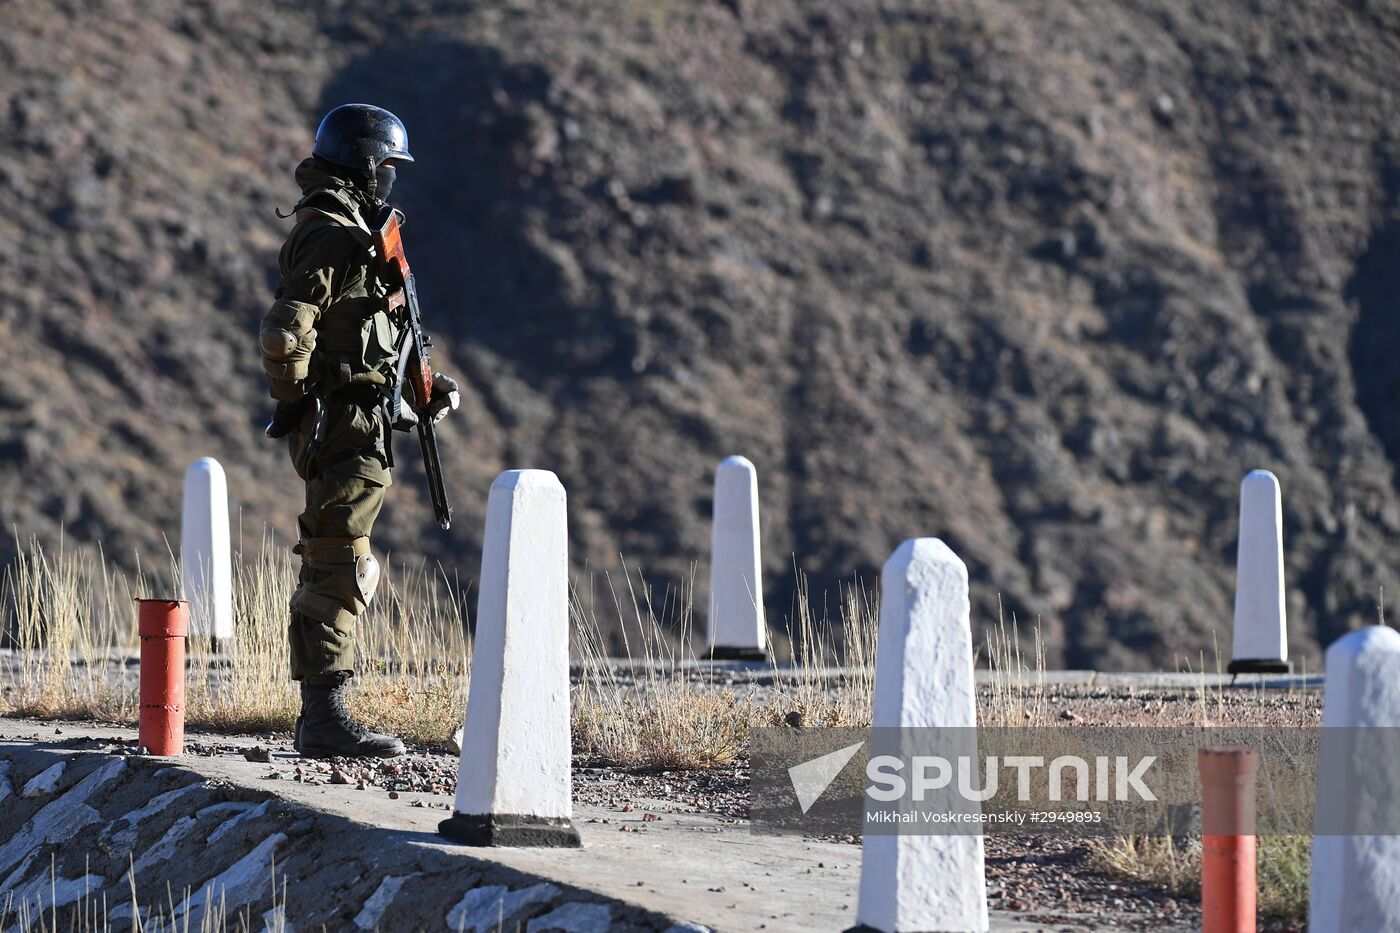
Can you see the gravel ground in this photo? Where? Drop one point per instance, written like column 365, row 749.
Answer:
column 1053, row 879
column 1110, row 706
column 427, row 777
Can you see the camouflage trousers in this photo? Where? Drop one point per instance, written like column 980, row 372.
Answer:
column 345, row 482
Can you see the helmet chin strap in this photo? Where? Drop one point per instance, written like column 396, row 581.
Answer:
column 373, row 181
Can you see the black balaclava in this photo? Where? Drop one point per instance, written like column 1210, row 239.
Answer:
column 383, row 181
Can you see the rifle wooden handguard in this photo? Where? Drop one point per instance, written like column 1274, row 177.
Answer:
column 389, row 243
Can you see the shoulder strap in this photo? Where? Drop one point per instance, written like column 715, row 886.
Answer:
column 338, row 207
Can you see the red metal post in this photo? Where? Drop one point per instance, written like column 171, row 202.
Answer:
column 163, row 625
column 1228, row 886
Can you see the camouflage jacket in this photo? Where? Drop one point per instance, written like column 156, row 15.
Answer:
column 329, row 325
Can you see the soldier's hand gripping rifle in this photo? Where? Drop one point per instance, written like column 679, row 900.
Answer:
column 415, row 368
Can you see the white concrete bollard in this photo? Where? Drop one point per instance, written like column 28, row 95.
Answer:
column 923, row 679
column 736, row 628
column 513, row 784
column 206, row 569
column 1356, row 878
column 1261, row 630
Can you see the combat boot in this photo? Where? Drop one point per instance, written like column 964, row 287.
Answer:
column 327, row 730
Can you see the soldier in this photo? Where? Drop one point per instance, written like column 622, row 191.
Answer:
column 329, row 348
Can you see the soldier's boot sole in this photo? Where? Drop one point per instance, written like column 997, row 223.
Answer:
column 360, row 750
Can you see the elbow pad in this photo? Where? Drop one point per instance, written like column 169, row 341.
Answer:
column 287, row 339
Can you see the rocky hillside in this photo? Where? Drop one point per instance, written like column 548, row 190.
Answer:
column 1042, row 278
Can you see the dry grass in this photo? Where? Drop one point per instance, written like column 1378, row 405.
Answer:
column 656, row 708
column 91, row 913
column 412, row 664
column 1283, row 863
column 1172, row 863
column 65, row 611
column 648, row 712
column 831, row 682
column 72, row 613
column 1017, row 693
column 1284, row 866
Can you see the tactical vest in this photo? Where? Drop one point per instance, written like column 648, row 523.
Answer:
column 356, row 337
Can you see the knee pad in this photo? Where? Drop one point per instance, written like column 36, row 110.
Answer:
column 339, row 577
column 367, row 576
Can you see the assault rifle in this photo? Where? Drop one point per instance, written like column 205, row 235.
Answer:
column 415, row 368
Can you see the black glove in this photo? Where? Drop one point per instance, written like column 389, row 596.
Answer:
column 285, row 417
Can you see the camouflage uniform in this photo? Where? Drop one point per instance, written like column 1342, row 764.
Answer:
column 329, row 333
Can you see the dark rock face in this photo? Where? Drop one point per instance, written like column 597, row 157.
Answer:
column 1043, row 280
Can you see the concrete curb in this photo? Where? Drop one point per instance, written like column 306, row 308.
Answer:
column 215, row 840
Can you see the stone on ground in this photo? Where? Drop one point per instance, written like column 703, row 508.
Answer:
column 44, row 783
column 574, row 917
column 1261, row 632
column 61, row 819
column 923, row 679
column 235, row 887
column 736, row 627
column 493, row 907
column 513, row 781
column 377, row 903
